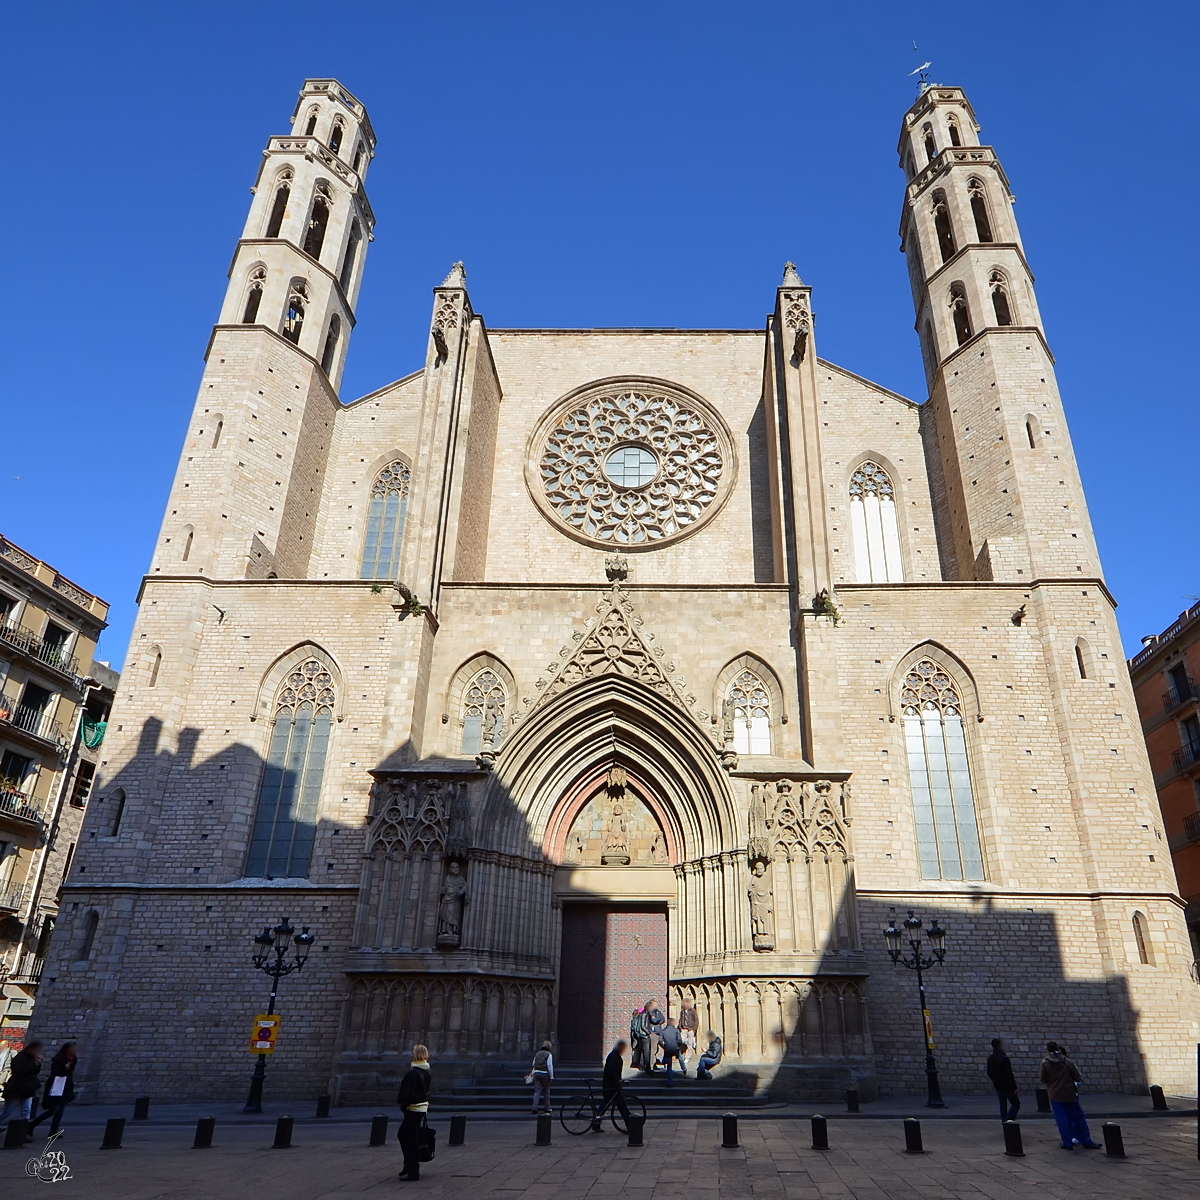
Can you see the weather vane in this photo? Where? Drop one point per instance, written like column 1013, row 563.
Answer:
column 923, row 72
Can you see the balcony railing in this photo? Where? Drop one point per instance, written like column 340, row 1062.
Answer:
column 1187, row 755
column 17, row 804
column 30, row 971
column 1181, row 693
column 31, row 720
column 11, row 897
column 1191, row 827
column 46, row 652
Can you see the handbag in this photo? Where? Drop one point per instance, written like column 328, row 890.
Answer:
column 426, row 1141
column 529, row 1078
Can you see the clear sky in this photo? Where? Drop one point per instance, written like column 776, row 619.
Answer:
column 594, row 164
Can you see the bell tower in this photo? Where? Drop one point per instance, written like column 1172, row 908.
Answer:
column 244, row 500
column 1015, row 503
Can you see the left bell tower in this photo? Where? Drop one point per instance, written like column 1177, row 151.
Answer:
column 243, row 501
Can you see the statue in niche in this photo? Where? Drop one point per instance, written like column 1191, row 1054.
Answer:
column 450, row 909
column 658, row 849
column 616, row 838
column 460, row 819
column 762, row 909
column 757, row 821
column 575, row 848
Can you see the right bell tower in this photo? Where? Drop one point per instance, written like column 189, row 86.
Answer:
column 1014, row 501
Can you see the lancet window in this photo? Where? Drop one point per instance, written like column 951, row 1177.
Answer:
column 283, row 191
column 290, row 791
column 948, row 844
column 942, row 226
column 331, row 340
column 352, row 243
column 979, row 210
column 385, row 523
column 999, row 289
column 751, row 704
column 960, row 312
column 483, row 712
column 873, row 520
column 254, row 293
column 318, row 222
column 293, row 316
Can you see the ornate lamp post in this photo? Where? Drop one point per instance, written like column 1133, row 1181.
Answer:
column 920, row 963
column 271, row 956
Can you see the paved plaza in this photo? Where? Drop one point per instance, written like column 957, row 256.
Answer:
column 682, row 1157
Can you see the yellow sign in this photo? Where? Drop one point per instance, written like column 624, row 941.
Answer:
column 928, row 1030
column 264, row 1034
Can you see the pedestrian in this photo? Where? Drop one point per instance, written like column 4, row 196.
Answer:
column 60, row 1087
column 648, row 1022
column 414, row 1103
column 672, row 1049
column 689, row 1024
column 541, row 1073
column 710, row 1057
column 1000, row 1072
column 637, row 1028
column 612, row 1084
column 22, row 1084
column 1060, row 1075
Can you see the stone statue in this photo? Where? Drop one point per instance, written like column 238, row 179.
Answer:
column 450, row 910
column 658, row 849
column 762, row 910
column 616, row 838
column 757, row 822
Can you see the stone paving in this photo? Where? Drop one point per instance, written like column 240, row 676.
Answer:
column 681, row 1158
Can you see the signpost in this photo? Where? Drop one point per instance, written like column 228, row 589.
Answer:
column 264, row 1034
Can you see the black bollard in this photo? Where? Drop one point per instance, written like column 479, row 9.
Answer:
column 204, row 1133
column 458, row 1130
column 141, row 1108
column 323, row 1103
column 912, row 1136
column 852, row 1099
column 1012, row 1140
column 544, row 1126
column 283, row 1133
column 729, row 1139
column 114, row 1129
column 379, row 1126
column 1114, row 1143
column 14, row 1137
column 820, row 1130
column 1043, row 1099
column 1157, row 1099
column 636, row 1127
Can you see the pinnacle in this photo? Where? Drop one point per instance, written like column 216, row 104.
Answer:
column 457, row 276
column 790, row 278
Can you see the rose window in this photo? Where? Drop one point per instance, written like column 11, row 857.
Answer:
column 631, row 465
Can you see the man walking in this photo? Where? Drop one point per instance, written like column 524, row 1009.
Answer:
column 612, row 1085
column 22, row 1084
column 689, row 1025
column 672, row 1049
column 1060, row 1075
column 1000, row 1072
column 413, row 1099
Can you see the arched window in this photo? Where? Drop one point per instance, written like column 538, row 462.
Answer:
column 258, row 278
column 1141, row 935
column 1083, row 659
column 351, row 252
column 943, row 802
column 930, row 144
column 331, row 341
column 873, row 520
column 385, row 523
column 188, row 535
column 283, row 189
column 952, row 125
column 929, row 350
column 979, row 210
column 217, row 432
column 359, row 151
column 311, row 127
column 318, row 222
column 999, row 289
column 941, row 223
column 118, row 811
column 483, row 712
column 90, row 925
column 293, row 318
column 335, row 136
column 751, row 704
column 155, row 667
column 290, row 792
column 960, row 312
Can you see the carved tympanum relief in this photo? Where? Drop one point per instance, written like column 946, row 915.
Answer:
column 616, row 829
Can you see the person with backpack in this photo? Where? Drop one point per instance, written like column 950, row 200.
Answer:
column 413, row 1099
column 672, row 1049
column 540, row 1075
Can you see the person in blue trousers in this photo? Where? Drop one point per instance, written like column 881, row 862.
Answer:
column 1060, row 1076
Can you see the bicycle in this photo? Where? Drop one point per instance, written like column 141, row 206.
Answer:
column 581, row 1113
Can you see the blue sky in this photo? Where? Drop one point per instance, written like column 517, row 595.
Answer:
column 604, row 164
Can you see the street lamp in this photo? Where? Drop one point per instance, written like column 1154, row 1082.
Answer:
column 270, row 956
column 916, row 961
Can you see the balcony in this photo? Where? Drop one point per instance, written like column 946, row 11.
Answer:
column 1191, row 827
column 46, row 653
column 29, row 972
column 32, row 721
column 1187, row 756
column 11, row 898
column 1180, row 694
column 17, row 804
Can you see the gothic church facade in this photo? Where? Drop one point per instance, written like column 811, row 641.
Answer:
column 583, row 665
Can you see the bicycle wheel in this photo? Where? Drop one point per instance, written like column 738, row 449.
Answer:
column 577, row 1114
column 636, row 1109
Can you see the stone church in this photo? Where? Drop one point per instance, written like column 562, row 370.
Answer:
column 579, row 666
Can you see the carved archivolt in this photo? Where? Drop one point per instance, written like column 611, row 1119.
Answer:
column 633, row 463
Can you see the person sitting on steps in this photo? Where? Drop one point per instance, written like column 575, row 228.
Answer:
column 710, row 1057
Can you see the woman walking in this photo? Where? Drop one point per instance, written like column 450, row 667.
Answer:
column 414, row 1102
column 541, row 1075
column 60, row 1088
